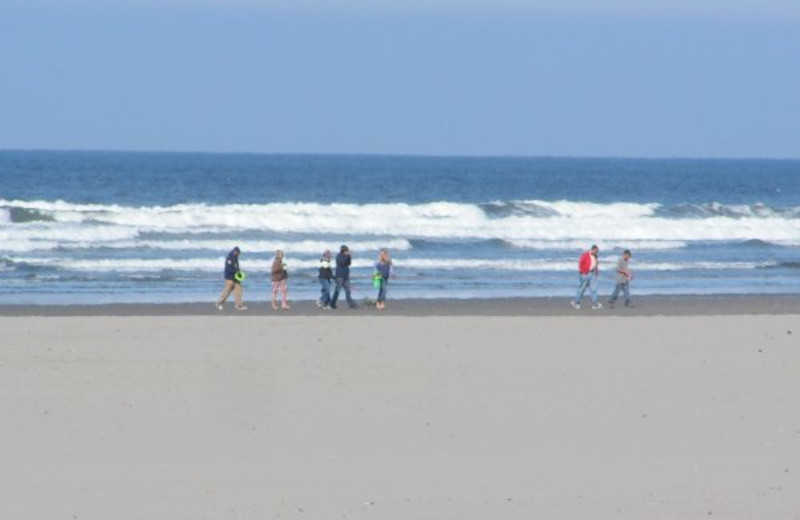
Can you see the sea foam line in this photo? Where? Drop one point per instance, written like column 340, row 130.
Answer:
column 407, row 264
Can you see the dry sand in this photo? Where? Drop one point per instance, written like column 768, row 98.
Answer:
column 400, row 417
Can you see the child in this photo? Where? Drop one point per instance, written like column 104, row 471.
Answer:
column 279, row 277
column 383, row 270
column 624, row 277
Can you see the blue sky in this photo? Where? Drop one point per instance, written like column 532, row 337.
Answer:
column 507, row 77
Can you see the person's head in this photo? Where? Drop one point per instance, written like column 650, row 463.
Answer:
column 279, row 254
column 384, row 254
column 627, row 254
column 235, row 251
column 326, row 255
column 594, row 250
column 344, row 250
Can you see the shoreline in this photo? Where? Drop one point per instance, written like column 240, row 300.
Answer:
column 683, row 305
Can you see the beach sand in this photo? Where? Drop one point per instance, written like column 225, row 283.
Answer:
column 400, row 417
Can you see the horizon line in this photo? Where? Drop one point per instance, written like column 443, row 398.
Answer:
column 401, row 154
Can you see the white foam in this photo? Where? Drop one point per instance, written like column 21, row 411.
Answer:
column 409, row 265
column 573, row 245
column 579, row 222
column 64, row 233
column 587, row 210
column 304, row 247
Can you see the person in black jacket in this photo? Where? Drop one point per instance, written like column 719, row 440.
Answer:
column 232, row 285
column 325, row 279
column 343, row 260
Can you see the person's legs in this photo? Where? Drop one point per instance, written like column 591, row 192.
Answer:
column 226, row 291
column 284, row 287
column 626, row 289
column 275, row 294
column 325, row 292
column 346, row 285
column 593, row 288
column 382, row 291
column 237, row 294
column 339, row 283
column 582, row 286
column 615, row 294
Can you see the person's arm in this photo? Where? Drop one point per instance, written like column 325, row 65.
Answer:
column 277, row 267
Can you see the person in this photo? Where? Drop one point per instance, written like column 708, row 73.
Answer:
column 325, row 279
column 232, row 284
column 624, row 277
column 588, row 272
column 383, row 270
column 279, row 281
column 343, row 260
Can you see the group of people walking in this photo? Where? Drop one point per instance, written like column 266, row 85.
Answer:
column 334, row 275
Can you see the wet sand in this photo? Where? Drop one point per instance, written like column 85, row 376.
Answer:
column 460, row 416
column 643, row 306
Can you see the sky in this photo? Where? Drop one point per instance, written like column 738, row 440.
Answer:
column 622, row 78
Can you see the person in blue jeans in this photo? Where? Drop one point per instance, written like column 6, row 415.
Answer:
column 624, row 277
column 588, row 272
column 343, row 260
column 383, row 270
column 325, row 280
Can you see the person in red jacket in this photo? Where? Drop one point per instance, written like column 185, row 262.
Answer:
column 587, row 273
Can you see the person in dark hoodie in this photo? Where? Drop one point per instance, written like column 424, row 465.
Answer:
column 232, row 285
column 343, row 260
column 325, row 279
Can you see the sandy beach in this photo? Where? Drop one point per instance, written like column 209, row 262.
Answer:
column 232, row 416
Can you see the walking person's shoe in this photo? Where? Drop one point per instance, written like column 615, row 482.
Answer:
column 319, row 304
column 274, row 306
column 285, row 306
column 611, row 304
column 597, row 306
column 575, row 305
column 629, row 304
column 241, row 308
column 219, row 306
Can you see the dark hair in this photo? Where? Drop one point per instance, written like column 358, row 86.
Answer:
column 344, row 248
column 236, row 250
column 594, row 246
column 627, row 252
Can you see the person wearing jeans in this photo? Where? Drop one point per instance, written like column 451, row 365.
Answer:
column 325, row 280
column 624, row 277
column 588, row 273
column 343, row 260
column 383, row 270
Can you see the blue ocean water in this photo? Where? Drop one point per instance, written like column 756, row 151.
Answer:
column 98, row 227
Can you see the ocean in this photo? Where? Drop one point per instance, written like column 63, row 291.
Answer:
column 114, row 227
